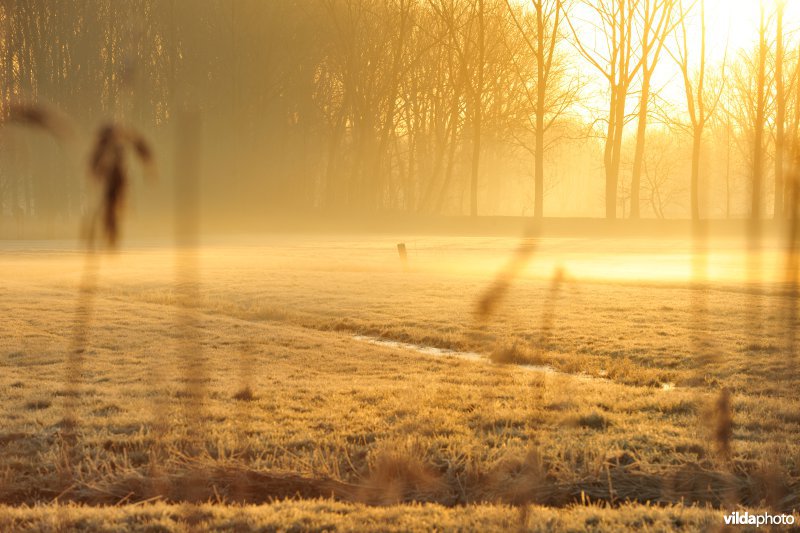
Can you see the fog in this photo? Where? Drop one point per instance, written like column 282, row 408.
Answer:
column 352, row 111
column 414, row 265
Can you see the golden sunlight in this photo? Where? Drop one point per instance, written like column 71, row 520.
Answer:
column 399, row 265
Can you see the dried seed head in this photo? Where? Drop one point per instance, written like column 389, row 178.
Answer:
column 39, row 116
column 723, row 427
column 492, row 297
column 143, row 150
column 107, row 164
column 106, row 152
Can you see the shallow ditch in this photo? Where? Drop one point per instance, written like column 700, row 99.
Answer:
column 479, row 358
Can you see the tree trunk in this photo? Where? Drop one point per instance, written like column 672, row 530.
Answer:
column 611, row 187
column 448, row 173
column 476, row 122
column 638, row 157
column 538, row 193
column 758, row 144
column 728, row 172
column 697, row 136
column 780, row 115
column 612, row 177
column 476, row 160
column 538, row 206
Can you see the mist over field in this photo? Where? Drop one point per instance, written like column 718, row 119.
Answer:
column 399, row 265
column 423, row 107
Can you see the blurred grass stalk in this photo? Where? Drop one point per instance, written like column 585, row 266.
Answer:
column 719, row 425
column 84, row 313
column 792, row 292
column 188, row 135
column 496, row 292
column 187, row 279
column 189, row 127
column 791, row 267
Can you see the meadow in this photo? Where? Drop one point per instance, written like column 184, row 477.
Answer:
column 313, row 382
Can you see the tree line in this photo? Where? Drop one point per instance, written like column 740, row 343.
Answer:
column 423, row 106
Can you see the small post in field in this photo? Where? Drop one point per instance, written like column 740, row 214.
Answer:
column 401, row 250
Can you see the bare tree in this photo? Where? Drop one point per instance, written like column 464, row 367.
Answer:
column 780, row 109
column 618, row 64
column 760, row 103
column 659, row 164
column 701, row 104
column 477, row 107
column 467, row 29
column 792, row 130
column 656, row 20
column 722, row 128
column 553, row 94
column 740, row 108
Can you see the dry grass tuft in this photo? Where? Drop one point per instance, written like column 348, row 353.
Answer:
column 517, row 354
column 524, row 480
column 398, row 475
column 245, row 394
column 593, row 421
column 621, row 459
column 36, row 405
column 723, row 424
column 770, row 482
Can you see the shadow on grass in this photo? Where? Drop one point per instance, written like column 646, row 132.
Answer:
column 519, row 482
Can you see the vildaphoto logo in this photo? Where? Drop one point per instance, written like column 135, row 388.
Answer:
column 746, row 519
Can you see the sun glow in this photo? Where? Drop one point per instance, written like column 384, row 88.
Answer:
column 731, row 30
column 733, row 25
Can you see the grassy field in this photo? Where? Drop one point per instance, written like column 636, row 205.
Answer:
column 270, row 384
